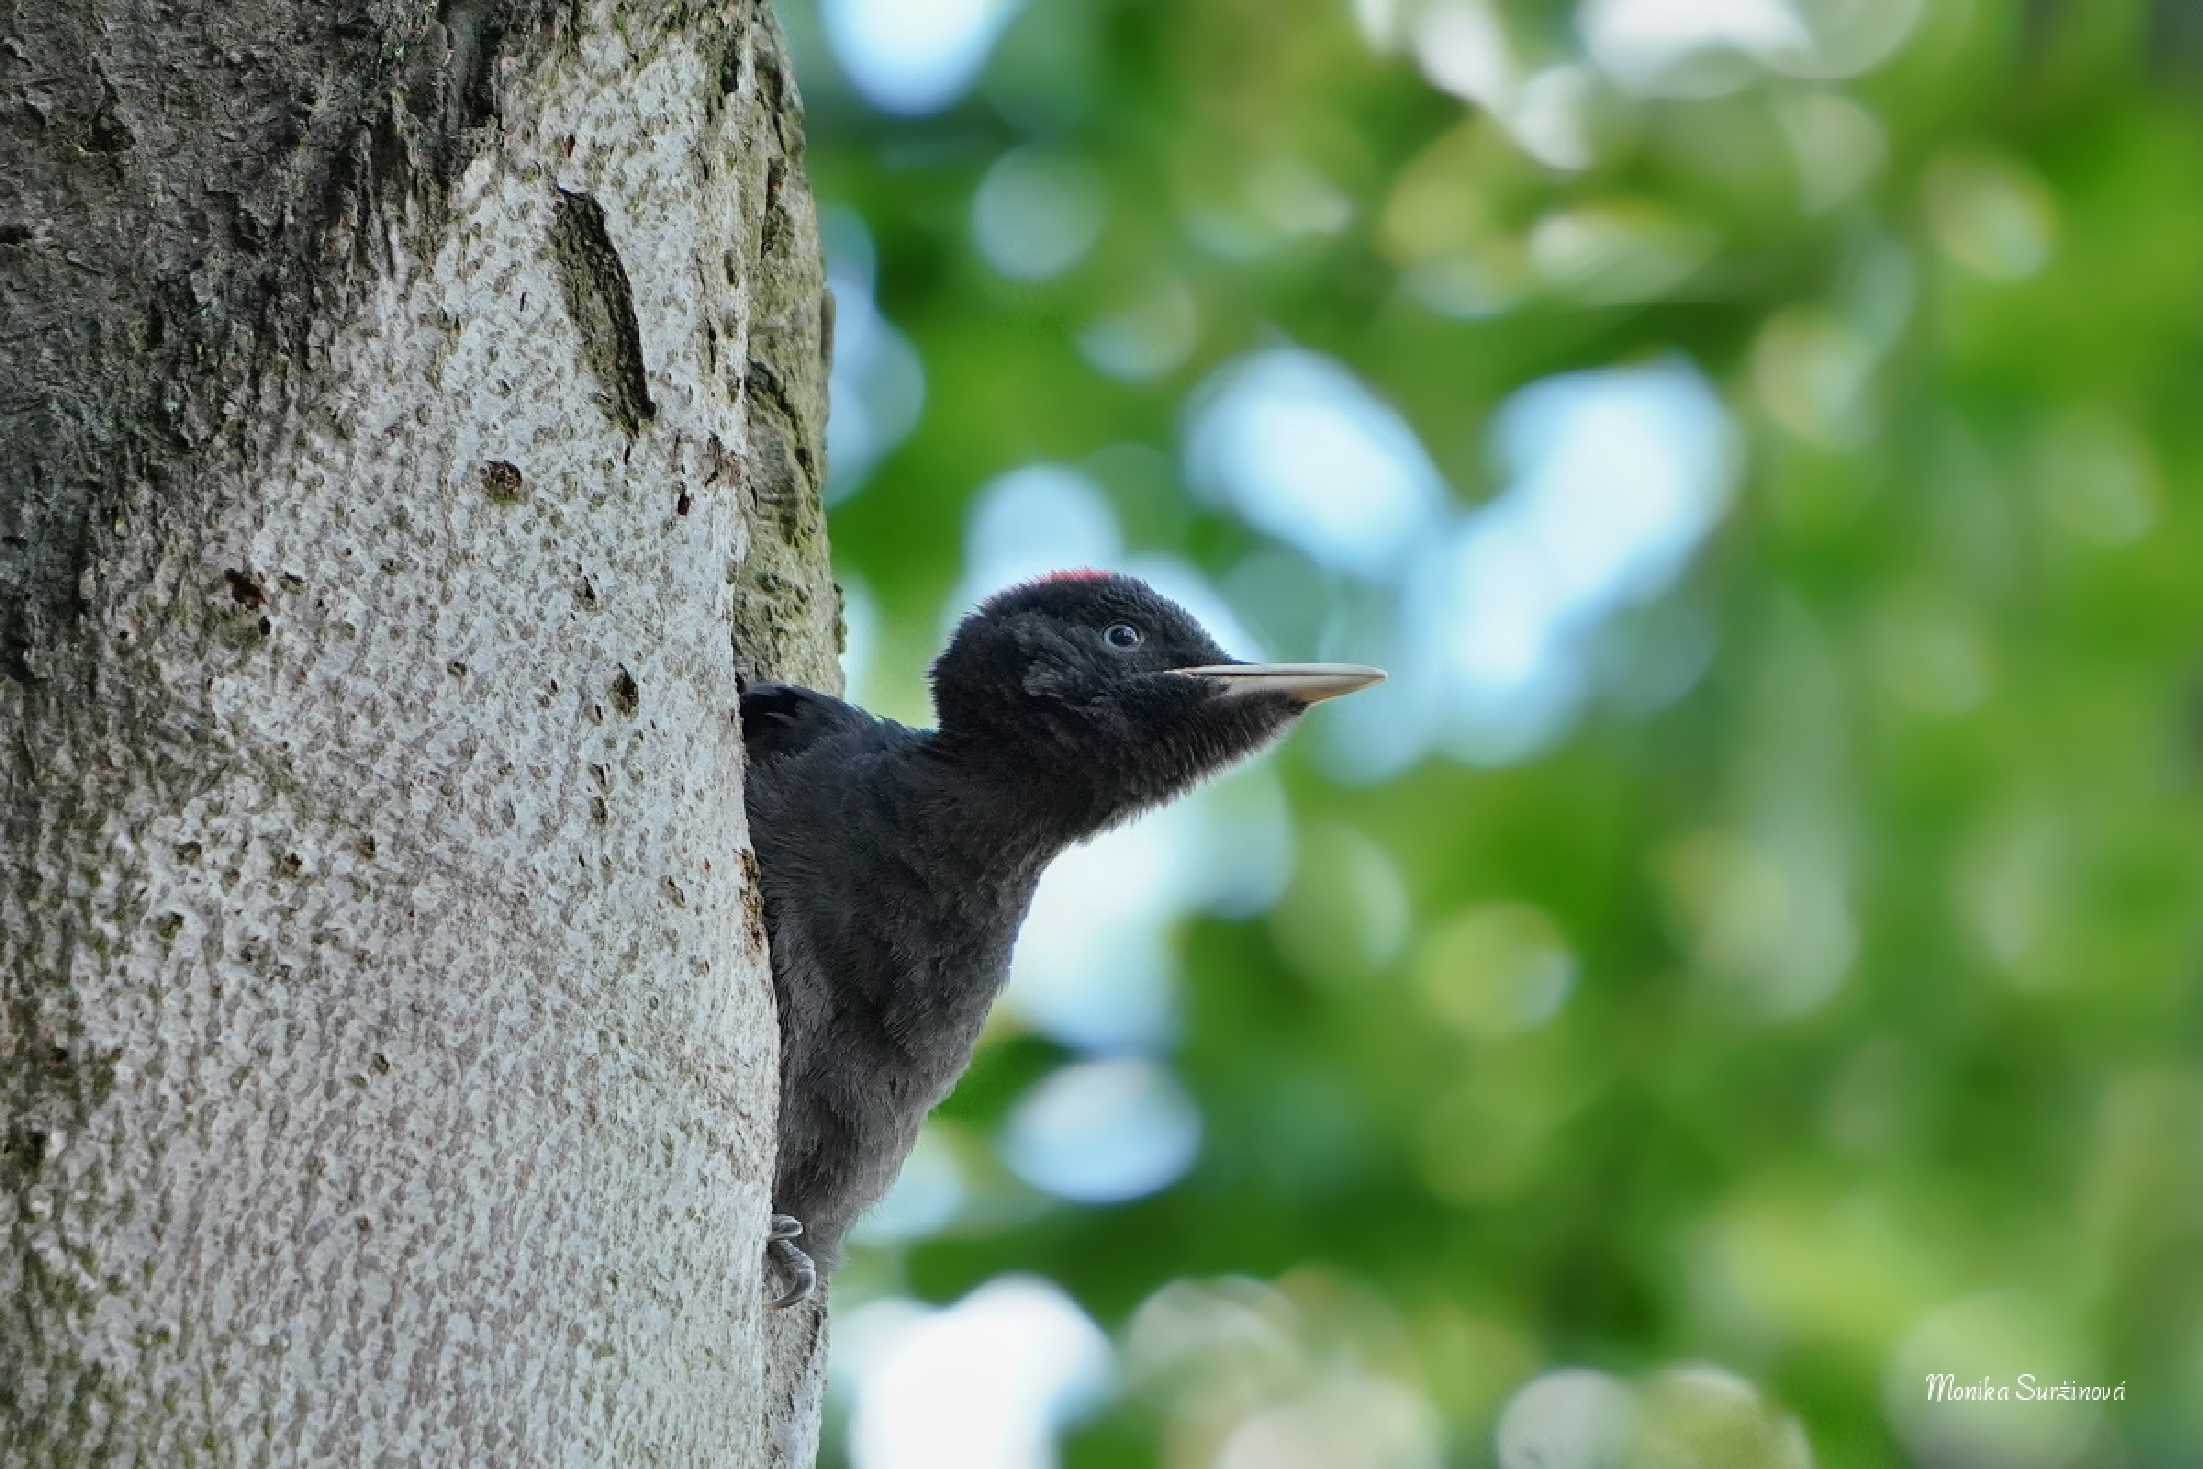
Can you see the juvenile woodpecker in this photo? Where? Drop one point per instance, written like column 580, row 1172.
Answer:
column 898, row 863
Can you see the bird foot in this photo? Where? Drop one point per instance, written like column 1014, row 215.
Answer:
column 781, row 1248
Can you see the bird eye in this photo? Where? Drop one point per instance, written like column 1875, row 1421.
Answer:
column 1121, row 635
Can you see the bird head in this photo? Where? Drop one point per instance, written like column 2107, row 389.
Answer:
column 1097, row 683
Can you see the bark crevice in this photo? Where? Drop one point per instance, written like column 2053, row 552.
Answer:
column 603, row 306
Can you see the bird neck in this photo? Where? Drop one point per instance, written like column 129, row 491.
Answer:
column 1007, row 809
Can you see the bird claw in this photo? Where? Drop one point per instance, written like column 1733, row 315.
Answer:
column 780, row 1247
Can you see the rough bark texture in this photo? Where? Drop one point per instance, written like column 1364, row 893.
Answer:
column 411, row 415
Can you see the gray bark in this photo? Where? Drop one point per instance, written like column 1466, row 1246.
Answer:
column 410, row 415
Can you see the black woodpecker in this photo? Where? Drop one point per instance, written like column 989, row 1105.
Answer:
column 898, row 863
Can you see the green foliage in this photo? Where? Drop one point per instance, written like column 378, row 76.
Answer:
column 1836, row 1019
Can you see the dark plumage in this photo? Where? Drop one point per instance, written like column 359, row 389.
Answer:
column 898, row 863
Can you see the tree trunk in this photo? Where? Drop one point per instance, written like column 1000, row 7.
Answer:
column 411, row 414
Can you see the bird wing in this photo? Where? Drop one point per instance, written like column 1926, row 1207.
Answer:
column 780, row 719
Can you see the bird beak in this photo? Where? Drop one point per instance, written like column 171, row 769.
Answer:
column 1311, row 683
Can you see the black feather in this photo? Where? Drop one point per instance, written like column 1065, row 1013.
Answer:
column 780, row 719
